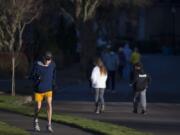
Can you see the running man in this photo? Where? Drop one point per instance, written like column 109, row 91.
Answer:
column 43, row 76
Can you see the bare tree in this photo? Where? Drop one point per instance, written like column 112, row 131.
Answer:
column 15, row 15
column 83, row 13
column 85, row 10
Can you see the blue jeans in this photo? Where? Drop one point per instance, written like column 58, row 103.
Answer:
column 139, row 96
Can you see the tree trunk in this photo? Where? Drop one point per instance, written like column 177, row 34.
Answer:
column 88, row 44
column 132, row 14
column 13, row 75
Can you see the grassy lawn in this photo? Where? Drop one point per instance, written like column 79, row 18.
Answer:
column 15, row 104
column 9, row 130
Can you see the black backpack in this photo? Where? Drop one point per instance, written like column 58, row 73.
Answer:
column 141, row 82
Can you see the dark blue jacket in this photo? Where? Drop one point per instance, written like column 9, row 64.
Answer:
column 43, row 77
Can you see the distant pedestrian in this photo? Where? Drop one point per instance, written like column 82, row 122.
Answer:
column 111, row 62
column 98, row 78
column 127, row 52
column 135, row 56
column 122, row 61
column 139, row 82
column 43, row 76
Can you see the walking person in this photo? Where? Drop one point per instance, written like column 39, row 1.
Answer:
column 135, row 56
column 111, row 62
column 98, row 78
column 43, row 76
column 127, row 69
column 122, row 61
column 139, row 82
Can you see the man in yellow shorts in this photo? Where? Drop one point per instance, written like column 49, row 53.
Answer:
column 43, row 76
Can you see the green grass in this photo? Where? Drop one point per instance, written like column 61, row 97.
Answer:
column 15, row 104
column 10, row 130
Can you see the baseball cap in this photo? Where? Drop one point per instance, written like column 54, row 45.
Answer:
column 138, row 65
column 48, row 55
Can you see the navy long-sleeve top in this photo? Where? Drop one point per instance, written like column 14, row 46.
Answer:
column 43, row 77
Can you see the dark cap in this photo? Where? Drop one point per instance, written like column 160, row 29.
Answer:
column 48, row 55
column 138, row 66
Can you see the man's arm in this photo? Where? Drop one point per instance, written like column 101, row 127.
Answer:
column 33, row 73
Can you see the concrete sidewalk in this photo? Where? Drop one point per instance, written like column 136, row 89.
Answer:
column 25, row 123
column 161, row 119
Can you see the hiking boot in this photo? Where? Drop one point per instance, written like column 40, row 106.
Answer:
column 144, row 112
column 49, row 128
column 96, row 107
column 97, row 111
column 135, row 111
column 36, row 126
column 102, row 108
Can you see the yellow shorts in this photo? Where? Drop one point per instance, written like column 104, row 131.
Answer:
column 38, row 97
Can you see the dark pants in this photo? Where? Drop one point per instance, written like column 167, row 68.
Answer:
column 111, row 80
column 121, row 67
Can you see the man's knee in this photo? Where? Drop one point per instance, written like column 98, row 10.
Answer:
column 49, row 106
column 38, row 106
column 49, row 103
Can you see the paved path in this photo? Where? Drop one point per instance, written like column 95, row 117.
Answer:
column 162, row 119
column 25, row 123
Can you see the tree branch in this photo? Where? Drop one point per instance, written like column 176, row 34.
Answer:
column 30, row 21
column 93, row 7
column 1, row 33
column 85, row 11
column 78, row 7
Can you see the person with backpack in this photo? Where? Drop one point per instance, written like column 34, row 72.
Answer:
column 139, row 81
column 98, row 79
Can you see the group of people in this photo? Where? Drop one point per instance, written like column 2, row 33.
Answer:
column 139, row 80
column 129, row 66
column 119, row 62
column 43, row 76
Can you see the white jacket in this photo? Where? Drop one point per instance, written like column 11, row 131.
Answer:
column 98, row 80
